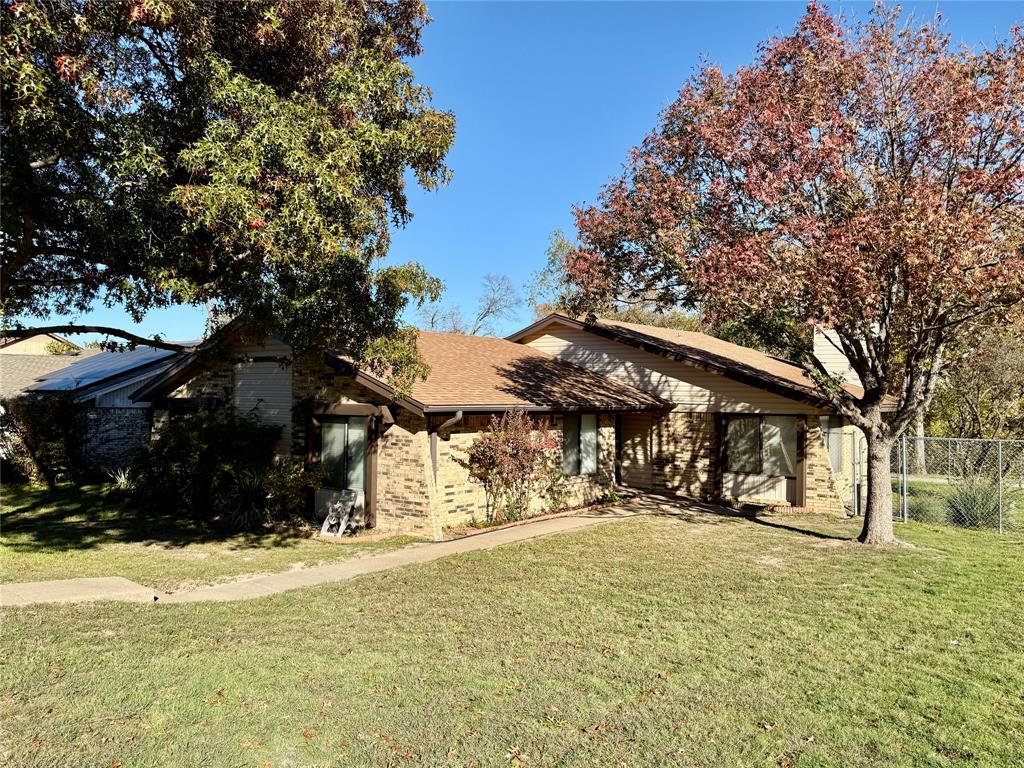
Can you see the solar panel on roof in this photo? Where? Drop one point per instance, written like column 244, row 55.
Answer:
column 99, row 367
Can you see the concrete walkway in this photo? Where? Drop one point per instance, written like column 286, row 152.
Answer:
column 116, row 588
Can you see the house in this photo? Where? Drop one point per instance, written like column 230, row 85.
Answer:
column 743, row 425
column 41, row 344
column 116, row 427
column 18, row 372
column 399, row 452
column 645, row 407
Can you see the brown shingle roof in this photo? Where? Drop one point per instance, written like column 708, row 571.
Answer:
column 484, row 373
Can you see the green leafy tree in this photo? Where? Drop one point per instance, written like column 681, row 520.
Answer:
column 248, row 154
column 982, row 393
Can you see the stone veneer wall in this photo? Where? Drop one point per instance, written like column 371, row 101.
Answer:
column 686, row 456
column 822, row 491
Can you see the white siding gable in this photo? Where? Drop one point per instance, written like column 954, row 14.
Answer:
column 690, row 388
column 830, row 354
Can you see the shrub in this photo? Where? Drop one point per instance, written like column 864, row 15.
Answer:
column 512, row 461
column 217, row 465
column 286, row 486
column 195, row 464
column 973, row 502
column 926, row 503
column 42, row 438
column 245, row 507
column 926, row 509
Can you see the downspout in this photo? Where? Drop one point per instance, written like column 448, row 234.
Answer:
column 433, row 441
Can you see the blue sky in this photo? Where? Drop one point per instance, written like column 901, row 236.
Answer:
column 548, row 98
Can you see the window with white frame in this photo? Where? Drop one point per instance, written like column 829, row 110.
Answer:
column 579, row 444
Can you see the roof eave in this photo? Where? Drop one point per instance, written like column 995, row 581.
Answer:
column 533, row 408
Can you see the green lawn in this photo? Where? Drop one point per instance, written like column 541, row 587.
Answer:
column 653, row 641
column 83, row 532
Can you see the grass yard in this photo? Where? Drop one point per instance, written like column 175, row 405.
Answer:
column 654, row 641
column 83, row 532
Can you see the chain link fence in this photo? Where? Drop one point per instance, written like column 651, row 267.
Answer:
column 940, row 480
column 954, row 481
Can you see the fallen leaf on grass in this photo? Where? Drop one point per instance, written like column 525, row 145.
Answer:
column 516, row 757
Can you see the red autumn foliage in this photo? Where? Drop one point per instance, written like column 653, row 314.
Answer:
column 512, row 461
column 867, row 179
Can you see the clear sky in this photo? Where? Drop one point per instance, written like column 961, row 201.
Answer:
column 548, row 98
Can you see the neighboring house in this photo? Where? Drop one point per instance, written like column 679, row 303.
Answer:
column 117, row 427
column 33, row 345
column 646, row 407
column 399, row 454
column 17, row 372
column 743, row 424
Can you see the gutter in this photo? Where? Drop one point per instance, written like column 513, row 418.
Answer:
column 433, row 441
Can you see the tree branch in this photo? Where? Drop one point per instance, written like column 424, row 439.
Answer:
column 156, row 341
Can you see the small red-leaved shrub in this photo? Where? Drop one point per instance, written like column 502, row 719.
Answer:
column 513, row 461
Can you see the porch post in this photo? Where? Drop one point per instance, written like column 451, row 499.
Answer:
column 802, row 430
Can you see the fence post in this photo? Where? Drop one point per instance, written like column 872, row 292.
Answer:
column 999, row 453
column 903, row 503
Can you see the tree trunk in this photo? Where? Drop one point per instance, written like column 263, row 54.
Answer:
column 878, row 514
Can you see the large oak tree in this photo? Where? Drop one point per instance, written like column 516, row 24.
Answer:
column 863, row 178
column 250, row 154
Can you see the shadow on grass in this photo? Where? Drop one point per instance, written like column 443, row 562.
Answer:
column 658, row 504
column 40, row 519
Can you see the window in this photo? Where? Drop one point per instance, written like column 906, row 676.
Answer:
column 779, row 446
column 761, row 445
column 343, row 451
column 579, row 446
column 743, row 444
column 832, row 432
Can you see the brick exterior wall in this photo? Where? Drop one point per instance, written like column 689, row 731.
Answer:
column 460, row 499
column 408, row 500
column 686, row 460
column 821, row 491
column 685, row 457
column 405, row 493
column 114, row 436
column 686, row 454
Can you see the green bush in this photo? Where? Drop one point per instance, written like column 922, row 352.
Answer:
column 245, row 506
column 926, row 503
column 973, row 502
column 41, row 439
column 926, row 509
column 286, row 487
column 217, row 465
column 194, row 464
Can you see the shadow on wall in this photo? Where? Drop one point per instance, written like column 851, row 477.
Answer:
column 37, row 520
column 549, row 382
